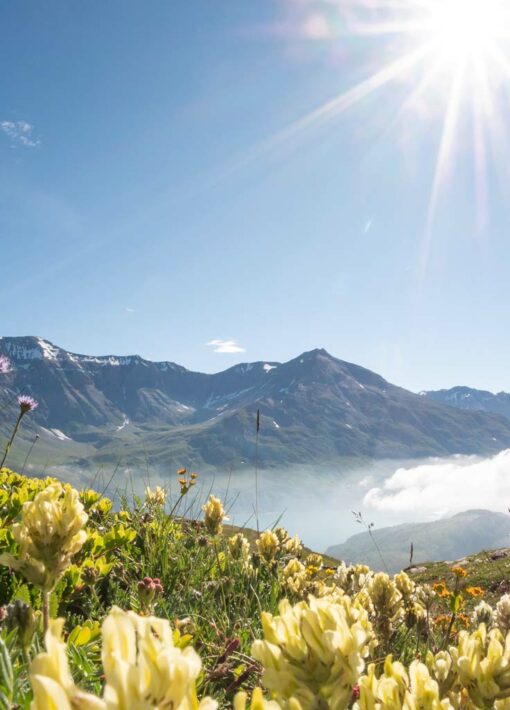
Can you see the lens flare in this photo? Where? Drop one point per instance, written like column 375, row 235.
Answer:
column 451, row 54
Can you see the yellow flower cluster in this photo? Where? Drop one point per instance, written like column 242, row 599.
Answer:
column 51, row 532
column 399, row 689
column 267, row 545
column 143, row 669
column 313, row 653
column 214, row 515
column 156, row 497
column 239, row 548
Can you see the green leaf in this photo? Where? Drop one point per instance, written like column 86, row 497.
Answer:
column 6, row 675
column 23, row 594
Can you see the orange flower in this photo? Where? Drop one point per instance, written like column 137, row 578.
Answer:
column 459, row 571
column 181, row 472
column 442, row 590
column 475, row 591
column 463, row 619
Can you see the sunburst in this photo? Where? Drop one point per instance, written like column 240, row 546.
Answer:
column 457, row 49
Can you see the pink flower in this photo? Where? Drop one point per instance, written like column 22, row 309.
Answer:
column 5, row 365
column 27, row 403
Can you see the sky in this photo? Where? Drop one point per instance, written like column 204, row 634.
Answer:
column 221, row 182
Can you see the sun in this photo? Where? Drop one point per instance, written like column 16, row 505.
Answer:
column 464, row 30
column 454, row 58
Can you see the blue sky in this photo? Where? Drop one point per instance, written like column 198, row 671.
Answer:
column 157, row 196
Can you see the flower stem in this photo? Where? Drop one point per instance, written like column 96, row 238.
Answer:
column 46, row 610
column 10, row 442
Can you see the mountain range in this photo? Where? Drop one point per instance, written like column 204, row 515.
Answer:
column 446, row 539
column 314, row 409
column 472, row 399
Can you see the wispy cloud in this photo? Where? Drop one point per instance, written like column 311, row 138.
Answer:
column 446, row 487
column 130, row 310
column 20, row 132
column 226, row 346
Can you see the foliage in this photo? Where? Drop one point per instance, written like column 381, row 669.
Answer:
column 154, row 610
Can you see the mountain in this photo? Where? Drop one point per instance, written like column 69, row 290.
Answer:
column 473, row 400
column 449, row 539
column 314, row 409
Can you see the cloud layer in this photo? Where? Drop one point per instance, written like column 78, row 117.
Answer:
column 226, row 346
column 447, row 487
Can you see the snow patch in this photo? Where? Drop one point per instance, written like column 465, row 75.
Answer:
column 57, row 433
column 268, row 367
column 50, row 352
column 276, row 425
column 123, row 425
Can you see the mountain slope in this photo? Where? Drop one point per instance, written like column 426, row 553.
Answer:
column 449, row 539
column 315, row 409
column 471, row 399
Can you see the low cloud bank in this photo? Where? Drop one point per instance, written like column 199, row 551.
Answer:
column 441, row 488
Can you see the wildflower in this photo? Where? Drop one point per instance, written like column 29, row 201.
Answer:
column 20, row 616
column 143, row 667
column 354, row 578
column 314, row 560
column 502, row 614
column 149, row 590
column 5, row 365
column 258, row 702
column 26, row 404
column 294, row 577
column 405, row 586
column 52, row 684
column 282, row 535
column 483, row 614
column 267, row 545
column 214, row 515
column 51, row 532
column 155, row 497
column 293, row 546
column 475, row 591
column 459, row 572
column 482, row 660
column 314, row 652
column 387, row 603
column 239, row 548
column 441, row 590
column 397, row 688
column 186, row 483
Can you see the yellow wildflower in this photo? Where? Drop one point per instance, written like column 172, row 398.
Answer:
column 214, row 515
column 267, row 545
column 155, row 497
column 49, row 535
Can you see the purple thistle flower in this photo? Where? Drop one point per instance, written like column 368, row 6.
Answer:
column 5, row 365
column 27, row 403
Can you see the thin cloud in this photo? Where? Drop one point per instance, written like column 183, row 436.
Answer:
column 368, row 226
column 446, row 487
column 20, row 132
column 227, row 347
column 130, row 310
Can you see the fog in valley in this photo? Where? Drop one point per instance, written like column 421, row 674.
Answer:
column 317, row 503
